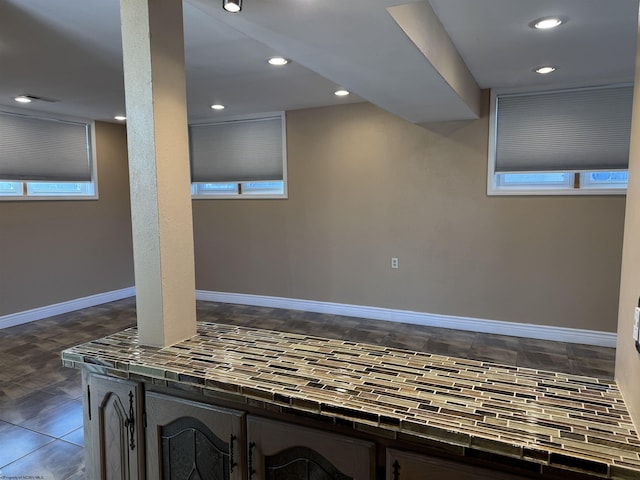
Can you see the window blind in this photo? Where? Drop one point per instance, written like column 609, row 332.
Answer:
column 239, row 151
column 580, row 129
column 41, row 149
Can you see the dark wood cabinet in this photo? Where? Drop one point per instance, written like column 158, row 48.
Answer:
column 403, row 465
column 114, row 432
column 187, row 440
column 282, row 451
column 133, row 434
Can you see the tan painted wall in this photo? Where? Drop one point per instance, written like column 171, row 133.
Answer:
column 627, row 358
column 365, row 186
column 55, row 251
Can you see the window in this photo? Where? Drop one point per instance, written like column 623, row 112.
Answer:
column 45, row 158
column 256, row 189
column 562, row 142
column 604, row 180
column 239, row 158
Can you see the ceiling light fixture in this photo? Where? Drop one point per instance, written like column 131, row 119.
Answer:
column 232, row 6
column 546, row 23
column 22, row 99
column 341, row 93
column 278, row 61
column 120, row 118
column 544, row 70
column 217, row 106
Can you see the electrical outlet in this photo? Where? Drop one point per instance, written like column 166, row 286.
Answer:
column 394, row 262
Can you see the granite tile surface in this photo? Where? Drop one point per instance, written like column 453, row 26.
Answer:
column 554, row 419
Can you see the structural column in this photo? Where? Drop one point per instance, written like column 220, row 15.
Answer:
column 155, row 91
column 627, row 357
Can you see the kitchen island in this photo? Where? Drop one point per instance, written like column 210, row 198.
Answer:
column 253, row 403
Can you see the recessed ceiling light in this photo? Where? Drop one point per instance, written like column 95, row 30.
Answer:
column 22, row 99
column 217, row 106
column 341, row 93
column 232, row 6
column 120, row 118
column 547, row 22
column 278, row 61
column 544, row 70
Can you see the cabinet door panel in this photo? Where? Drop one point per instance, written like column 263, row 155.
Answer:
column 188, row 440
column 298, row 463
column 281, row 451
column 115, row 447
column 411, row 466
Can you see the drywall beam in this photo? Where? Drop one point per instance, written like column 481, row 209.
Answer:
column 423, row 27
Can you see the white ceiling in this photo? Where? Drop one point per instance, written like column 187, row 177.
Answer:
column 70, row 51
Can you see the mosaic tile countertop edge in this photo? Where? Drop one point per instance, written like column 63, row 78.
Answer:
column 555, row 419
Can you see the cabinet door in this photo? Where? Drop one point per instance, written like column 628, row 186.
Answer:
column 190, row 440
column 280, row 451
column 113, row 431
column 411, row 466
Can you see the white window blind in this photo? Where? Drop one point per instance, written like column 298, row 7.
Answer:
column 580, row 129
column 237, row 151
column 34, row 148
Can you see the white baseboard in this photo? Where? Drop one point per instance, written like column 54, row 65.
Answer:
column 64, row 307
column 543, row 332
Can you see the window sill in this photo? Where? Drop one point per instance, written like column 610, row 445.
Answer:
column 29, row 198
column 554, row 191
column 239, row 197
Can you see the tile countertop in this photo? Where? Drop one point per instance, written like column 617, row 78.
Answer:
column 555, row 420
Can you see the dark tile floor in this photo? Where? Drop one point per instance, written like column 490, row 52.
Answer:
column 41, row 411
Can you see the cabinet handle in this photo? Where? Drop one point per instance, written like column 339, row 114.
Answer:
column 252, row 445
column 396, row 470
column 89, row 401
column 130, row 423
column 232, row 462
